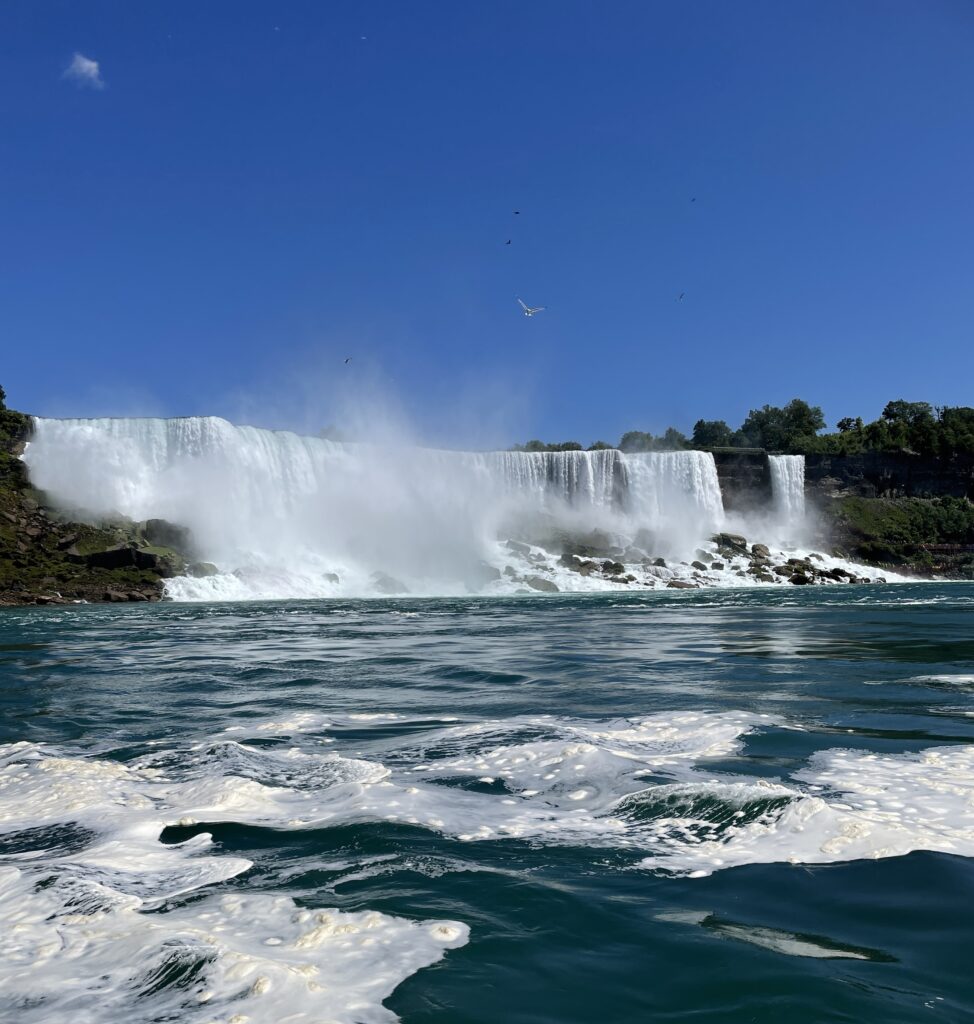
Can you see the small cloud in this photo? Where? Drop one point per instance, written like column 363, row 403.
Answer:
column 84, row 71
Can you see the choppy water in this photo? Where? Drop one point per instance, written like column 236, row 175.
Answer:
column 714, row 806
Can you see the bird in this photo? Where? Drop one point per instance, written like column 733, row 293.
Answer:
column 680, row 299
column 508, row 242
column 348, row 360
column 530, row 310
column 516, row 212
column 694, row 199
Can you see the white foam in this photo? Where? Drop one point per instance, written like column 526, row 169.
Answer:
column 865, row 806
column 82, row 947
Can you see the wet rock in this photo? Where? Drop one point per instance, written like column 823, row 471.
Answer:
column 661, row 562
column 613, row 568
column 760, row 550
column 163, row 534
column 698, row 565
column 66, row 543
column 681, row 585
column 200, row 570
column 114, row 596
column 518, row 548
column 540, row 583
column 136, row 595
column 799, row 579
column 783, row 570
column 509, row 570
column 387, row 584
column 717, row 566
column 732, row 541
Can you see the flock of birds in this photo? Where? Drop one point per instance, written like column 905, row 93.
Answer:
column 530, row 311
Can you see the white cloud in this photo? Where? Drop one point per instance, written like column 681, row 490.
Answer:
column 85, row 71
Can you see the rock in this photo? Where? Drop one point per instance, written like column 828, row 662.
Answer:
column 163, row 534
column 703, row 556
column 387, row 584
column 49, row 599
column 760, row 550
column 661, row 562
column 200, row 570
column 540, row 583
column 135, row 595
column 783, row 570
column 816, row 556
column 519, row 548
column 509, row 570
column 681, row 585
column 33, row 532
column 66, row 543
column 122, row 556
column 698, row 565
column 114, row 595
column 879, row 579
column 717, row 566
column 613, row 568
column 734, row 541
column 799, row 579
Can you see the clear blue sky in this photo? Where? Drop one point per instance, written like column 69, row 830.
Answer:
column 261, row 189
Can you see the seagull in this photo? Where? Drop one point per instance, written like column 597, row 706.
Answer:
column 694, row 199
column 508, row 242
column 348, row 360
column 516, row 212
column 680, row 299
column 530, row 310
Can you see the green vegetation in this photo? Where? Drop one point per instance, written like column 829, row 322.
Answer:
column 916, row 428
column 921, row 533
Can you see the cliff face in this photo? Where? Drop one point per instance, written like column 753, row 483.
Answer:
column 745, row 480
column 890, row 475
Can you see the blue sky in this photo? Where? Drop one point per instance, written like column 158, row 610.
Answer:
column 257, row 191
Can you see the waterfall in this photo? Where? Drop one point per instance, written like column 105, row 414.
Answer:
column 290, row 510
column 788, row 488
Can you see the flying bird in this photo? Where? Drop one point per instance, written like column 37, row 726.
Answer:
column 516, row 212
column 530, row 310
column 508, row 242
column 348, row 360
column 680, row 299
column 694, row 199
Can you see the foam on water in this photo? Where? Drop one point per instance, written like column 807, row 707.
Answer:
column 79, row 944
column 102, row 916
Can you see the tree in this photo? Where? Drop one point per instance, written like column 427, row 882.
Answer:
column 711, row 434
column 3, row 398
column 789, row 429
column 673, row 440
column 636, row 441
column 599, row 446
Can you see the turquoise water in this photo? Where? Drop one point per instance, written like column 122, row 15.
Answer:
column 718, row 806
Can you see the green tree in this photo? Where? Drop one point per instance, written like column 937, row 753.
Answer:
column 672, row 439
column 711, row 434
column 3, row 399
column 791, row 429
column 599, row 446
column 636, row 441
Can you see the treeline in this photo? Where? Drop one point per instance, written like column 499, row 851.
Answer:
column 797, row 429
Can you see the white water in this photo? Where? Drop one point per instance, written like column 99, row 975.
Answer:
column 278, row 513
column 788, row 489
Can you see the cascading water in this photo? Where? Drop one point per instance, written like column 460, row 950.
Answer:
column 283, row 515
column 788, row 490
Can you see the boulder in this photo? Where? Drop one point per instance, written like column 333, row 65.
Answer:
column 613, row 568
column 783, row 570
column 114, row 596
column 509, row 570
column 540, row 583
column 202, row 569
column 661, row 562
column 681, row 585
column 698, row 565
column 760, row 550
column 799, row 579
column 163, row 534
column 387, row 584
column 733, row 541
column 135, row 595
column 717, row 566
column 519, row 548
